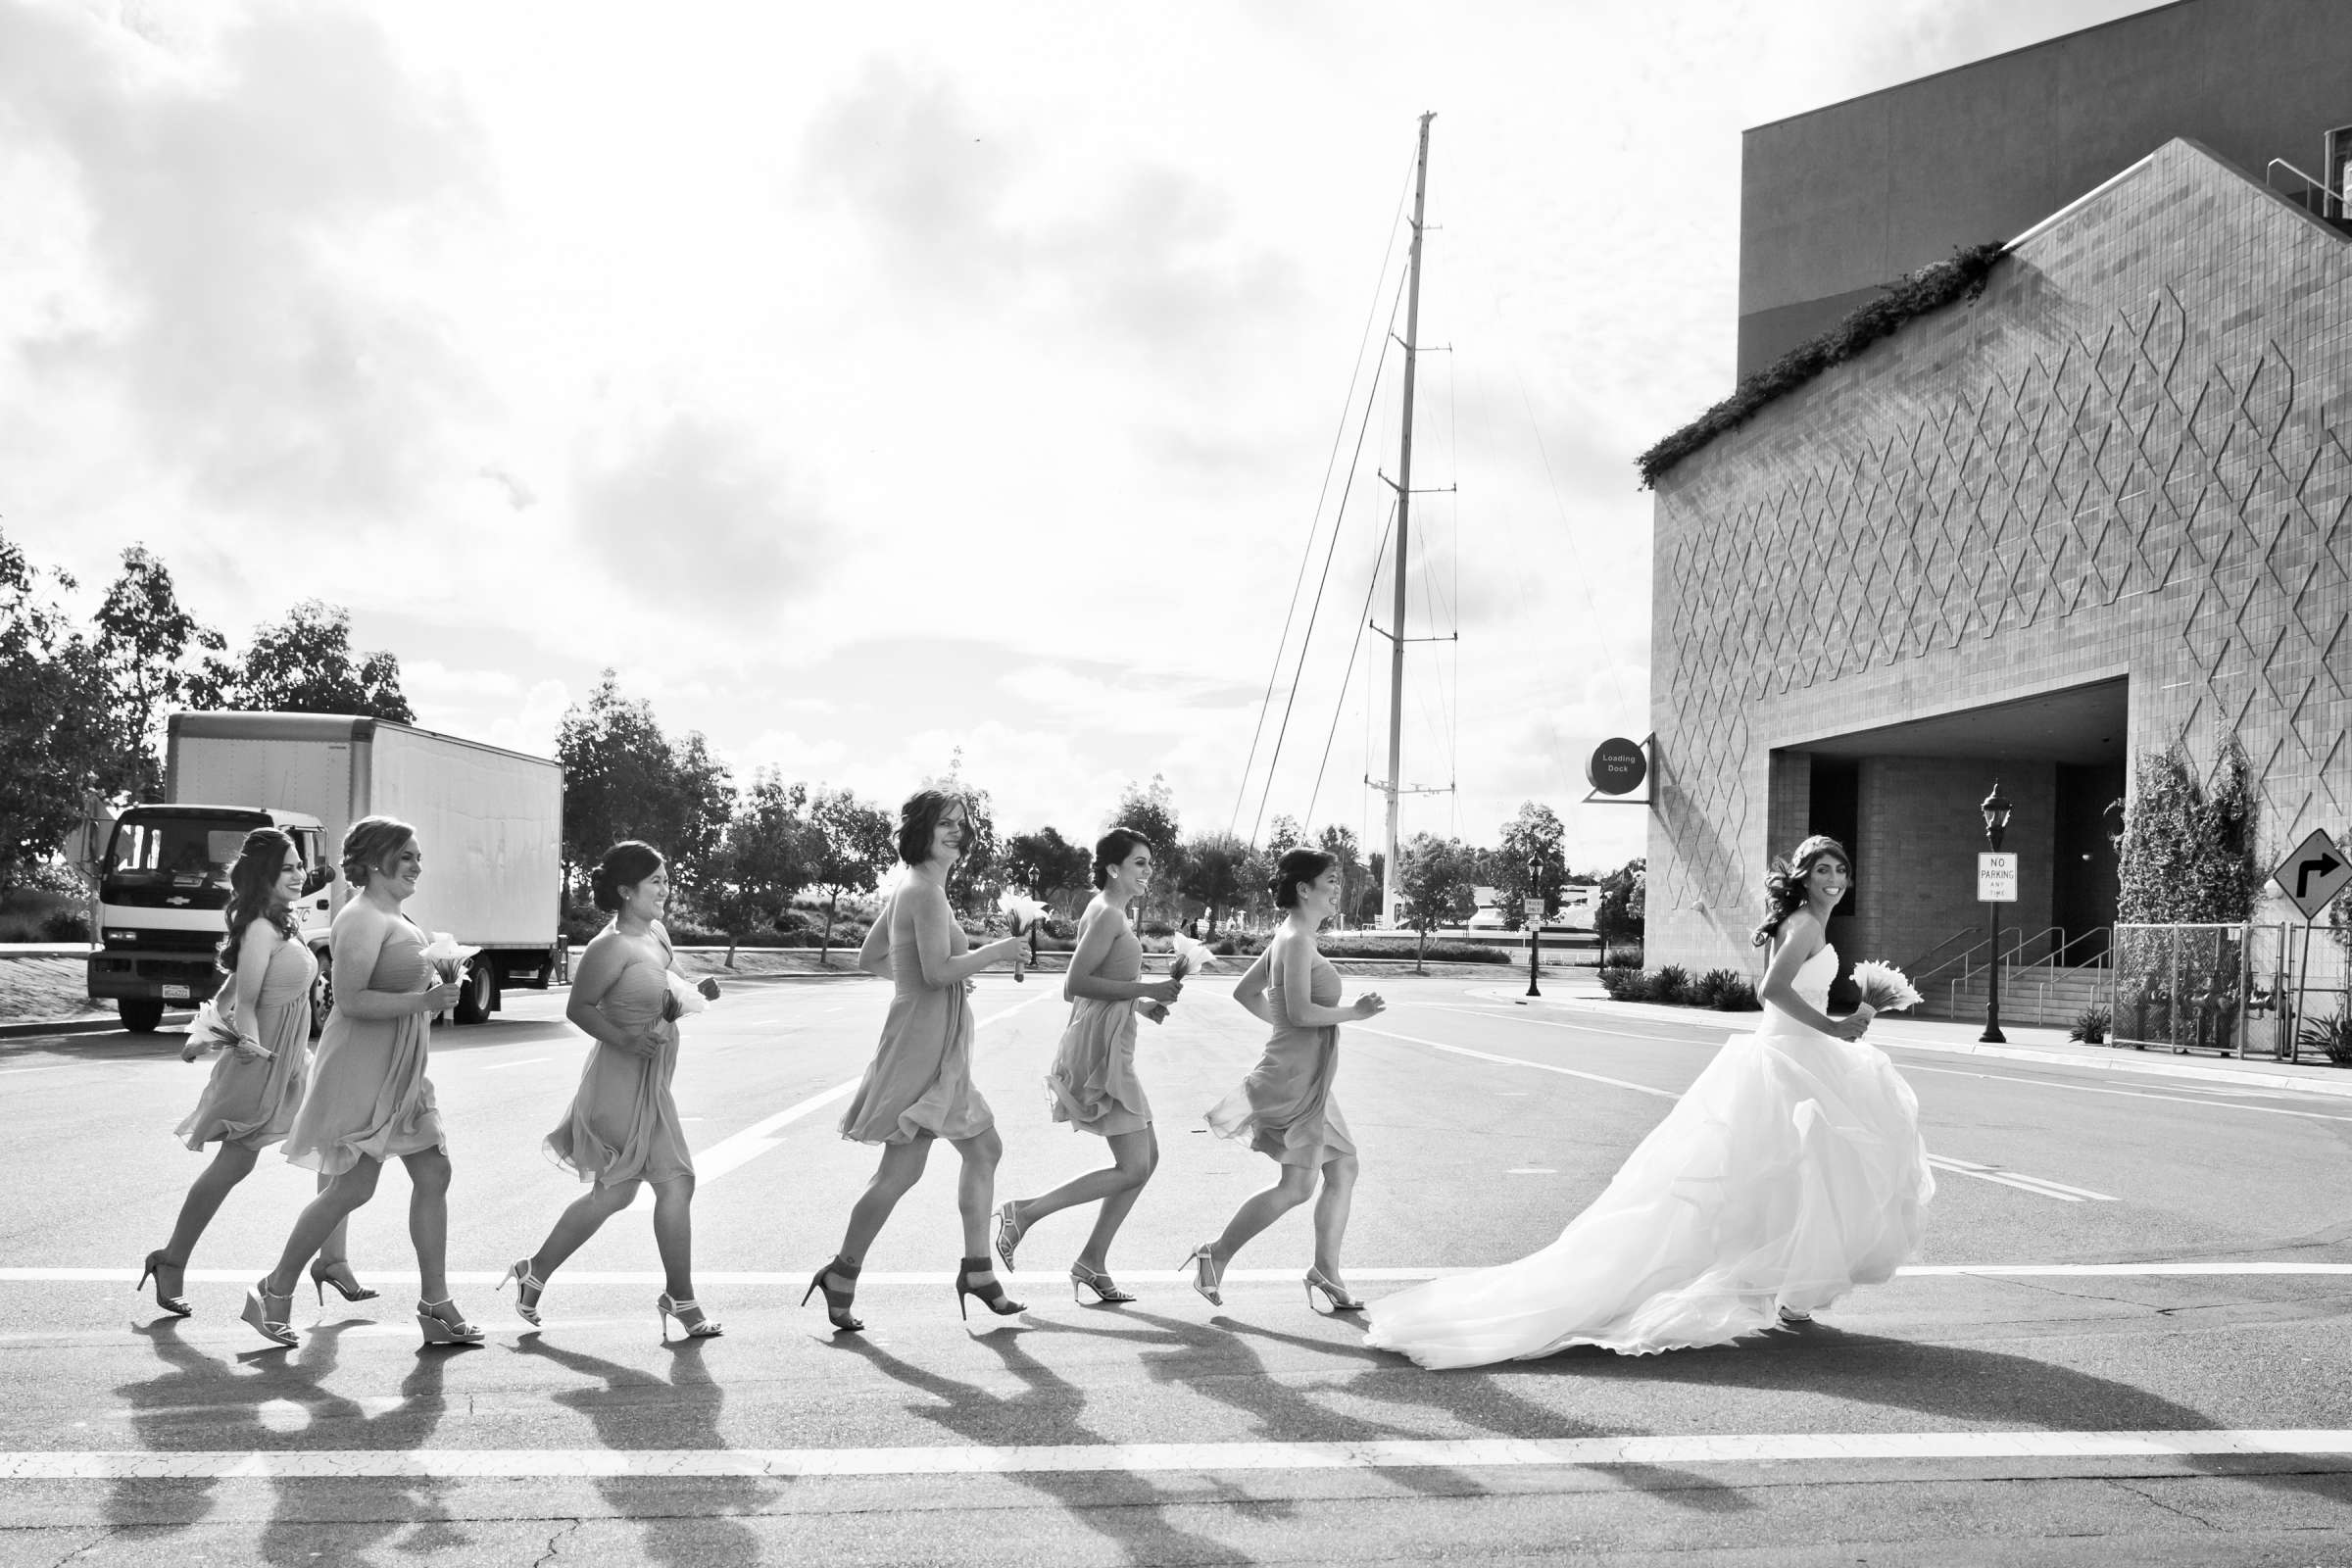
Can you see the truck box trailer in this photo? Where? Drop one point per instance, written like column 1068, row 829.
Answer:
column 490, row 822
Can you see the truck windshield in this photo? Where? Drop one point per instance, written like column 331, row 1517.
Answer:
column 175, row 851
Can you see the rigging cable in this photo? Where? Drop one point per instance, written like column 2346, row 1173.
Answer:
column 1266, row 703
column 1370, row 586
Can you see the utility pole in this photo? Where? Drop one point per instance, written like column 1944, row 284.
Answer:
column 1390, row 879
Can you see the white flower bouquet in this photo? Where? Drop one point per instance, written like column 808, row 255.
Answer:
column 1883, row 988
column 447, row 956
column 1023, row 913
column 1191, row 957
column 210, row 1030
column 685, row 997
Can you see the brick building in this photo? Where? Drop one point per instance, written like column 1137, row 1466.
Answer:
column 2098, row 510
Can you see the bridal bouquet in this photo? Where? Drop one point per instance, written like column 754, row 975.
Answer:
column 210, row 1030
column 686, row 996
column 1191, row 957
column 1023, row 913
column 1883, row 988
column 447, row 956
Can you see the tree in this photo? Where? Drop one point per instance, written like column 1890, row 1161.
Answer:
column 625, row 779
column 1618, row 916
column 1433, row 886
column 1212, row 874
column 55, row 739
column 1151, row 810
column 1338, row 841
column 1534, row 837
column 1051, row 867
column 2187, row 851
column 144, row 640
column 762, row 859
column 1283, row 835
column 974, row 883
column 305, row 665
column 850, row 845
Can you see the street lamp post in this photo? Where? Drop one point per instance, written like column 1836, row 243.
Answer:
column 1535, row 928
column 1995, row 810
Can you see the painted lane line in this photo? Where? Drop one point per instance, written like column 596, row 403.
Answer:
column 2036, row 1185
column 1478, row 1454
column 797, row 1279
column 2230, row 1103
column 528, row 1061
column 739, row 1149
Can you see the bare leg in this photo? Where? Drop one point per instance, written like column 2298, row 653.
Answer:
column 1095, row 1187
column 900, row 1169
column 674, row 1235
column 1138, row 1156
column 976, row 1197
column 581, row 1218
column 336, row 1202
column 428, row 1221
column 1295, row 1186
column 1331, row 1215
column 336, row 1248
column 230, row 1165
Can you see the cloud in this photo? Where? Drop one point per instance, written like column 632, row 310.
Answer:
column 695, row 514
column 245, row 198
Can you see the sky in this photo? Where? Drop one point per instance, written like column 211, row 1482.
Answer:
column 877, row 387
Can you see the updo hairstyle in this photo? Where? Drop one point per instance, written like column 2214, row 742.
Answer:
column 920, row 818
column 371, row 842
column 1297, row 867
column 1112, row 849
column 625, row 865
column 1784, row 881
column 253, row 892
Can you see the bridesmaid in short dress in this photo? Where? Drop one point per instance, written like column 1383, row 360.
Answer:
column 369, row 1099
column 1285, row 1107
column 1093, row 1082
column 919, row 1087
column 623, row 1127
column 248, row 1103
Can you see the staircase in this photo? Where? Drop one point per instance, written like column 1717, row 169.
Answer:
column 2040, row 994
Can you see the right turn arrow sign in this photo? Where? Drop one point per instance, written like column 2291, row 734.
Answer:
column 2313, row 872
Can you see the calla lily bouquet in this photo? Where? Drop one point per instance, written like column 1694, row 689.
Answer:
column 210, row 1030
column 1191, row 957
column 685, row 997
column 1023, row 913
column 1883, row 988
column 447, row 956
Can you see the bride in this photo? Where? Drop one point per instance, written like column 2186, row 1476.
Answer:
column 1789, row 1173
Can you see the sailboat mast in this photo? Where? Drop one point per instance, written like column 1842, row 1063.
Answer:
column 1391, row 880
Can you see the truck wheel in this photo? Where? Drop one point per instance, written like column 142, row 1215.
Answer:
column 480, row 995
column 140, row 1014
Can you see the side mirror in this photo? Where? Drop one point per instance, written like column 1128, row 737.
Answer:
column 319, row 876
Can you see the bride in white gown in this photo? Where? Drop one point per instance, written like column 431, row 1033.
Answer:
column 1790, row 1172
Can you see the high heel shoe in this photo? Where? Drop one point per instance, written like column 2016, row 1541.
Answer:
column 837, row 1302
column 176, row 1305
column 324, row 1273
column 1009, row 1232
column 446, row 1330
column 701, row 1328
column 1340, row 1299
column 1211, row 1285
column 991, row 1295
column 276, row 1330
column 528, row 1287
column 1107, row 1290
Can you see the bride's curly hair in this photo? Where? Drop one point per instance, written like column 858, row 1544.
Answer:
column 1784, row 881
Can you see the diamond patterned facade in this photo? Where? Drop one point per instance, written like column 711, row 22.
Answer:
column 2130, row 458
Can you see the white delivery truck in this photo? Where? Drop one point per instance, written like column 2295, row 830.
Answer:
column 490, row 822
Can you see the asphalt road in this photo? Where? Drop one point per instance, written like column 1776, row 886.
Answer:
column 2156, row 1370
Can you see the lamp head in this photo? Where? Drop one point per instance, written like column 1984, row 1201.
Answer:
column 1995, row 809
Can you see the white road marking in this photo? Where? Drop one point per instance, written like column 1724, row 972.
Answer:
column 528, row 1061
column 2228, row 1104
column 2038, row 1186
column 1478, row 1454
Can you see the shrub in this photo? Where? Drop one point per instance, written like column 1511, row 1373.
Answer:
column 1725, row 991
column 1671, row 985
column 1622, row 955
column 2330, row 1035
column 1623, row 984
column 66, row 925
column 2092, row 1026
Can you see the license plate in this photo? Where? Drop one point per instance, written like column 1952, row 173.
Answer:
column 176, row 993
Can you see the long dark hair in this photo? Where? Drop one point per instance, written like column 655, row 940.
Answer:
column 252, row 877
column 1784, row 881
column 1112, row 849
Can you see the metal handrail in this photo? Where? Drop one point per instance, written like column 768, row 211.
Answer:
column 2331, row 204
column 1917, row 974
column 2050, row 959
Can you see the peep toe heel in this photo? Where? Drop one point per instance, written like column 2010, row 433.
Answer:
column 1340, row 1299
column 667, row 1306
column 991, row 1295
column 337, row 1274
column 837, row 1302
column 528, row 1287
column 176, row 1305
column 440, row 1330
column 1106, row 1290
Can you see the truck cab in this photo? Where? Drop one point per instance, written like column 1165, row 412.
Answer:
column 162, row 887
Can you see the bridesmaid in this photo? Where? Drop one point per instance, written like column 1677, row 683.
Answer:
column 1284, row 1108
column 1093, row 1082
column 623, row 1127
column 249, row 1101
column 920, row 1086
column 368, row 1097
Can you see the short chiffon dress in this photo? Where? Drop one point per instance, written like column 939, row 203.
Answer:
column 1285, row 1107
column 622, row 1125
column 368, row 1096
column 1789, row 1173
column 250, row 1101
column 920, row 1084
column 1092, row 1082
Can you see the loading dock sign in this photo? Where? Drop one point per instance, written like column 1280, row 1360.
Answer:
column 2313, row 872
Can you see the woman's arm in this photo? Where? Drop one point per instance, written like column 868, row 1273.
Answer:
column 708, row 985
column 254, row 951
column 600, row 968
column 1294, row 958
column 1798, row 939
column 874, row 953
column 927, row 907
column 353, row 946
column 1097, row 934
column 1251, row 989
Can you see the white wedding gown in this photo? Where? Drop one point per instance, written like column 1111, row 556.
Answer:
column 1790, row 1172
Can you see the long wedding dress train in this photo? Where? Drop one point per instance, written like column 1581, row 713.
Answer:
column 1790, row 1172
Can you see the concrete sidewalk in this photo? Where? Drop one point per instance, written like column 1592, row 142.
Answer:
column 1953, row 1036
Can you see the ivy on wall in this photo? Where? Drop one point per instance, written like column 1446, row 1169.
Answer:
column 1931, row 288
column 2188, row 850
